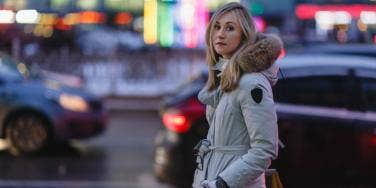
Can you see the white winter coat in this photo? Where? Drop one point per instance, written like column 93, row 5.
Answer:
column 243, row 136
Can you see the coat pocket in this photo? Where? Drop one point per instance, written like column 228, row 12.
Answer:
column 226, row 160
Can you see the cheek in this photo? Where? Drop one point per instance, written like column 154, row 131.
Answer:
column 236, row 40
column 212, row 36
column 239, row 37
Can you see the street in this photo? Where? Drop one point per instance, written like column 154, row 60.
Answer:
column 121, row 157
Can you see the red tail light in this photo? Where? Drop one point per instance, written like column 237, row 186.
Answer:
column 176, row 122
column 282, row 53
column 373, row 140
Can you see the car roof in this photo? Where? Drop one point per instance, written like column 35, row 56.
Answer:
column 350, row 49
column 322, row 60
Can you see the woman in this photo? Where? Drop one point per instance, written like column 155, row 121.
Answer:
column 243, row 135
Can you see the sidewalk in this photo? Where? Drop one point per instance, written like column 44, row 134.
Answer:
column 132, row 102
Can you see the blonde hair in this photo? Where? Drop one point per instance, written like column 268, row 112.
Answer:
column 231, row 75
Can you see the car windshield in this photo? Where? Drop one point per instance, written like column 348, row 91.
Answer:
column 10, row 71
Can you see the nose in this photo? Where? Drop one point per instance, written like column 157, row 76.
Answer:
column 221, row 33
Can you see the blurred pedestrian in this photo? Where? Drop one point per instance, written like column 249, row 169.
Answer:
column 243, row 135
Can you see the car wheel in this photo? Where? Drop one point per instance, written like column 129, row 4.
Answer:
column 27, row 133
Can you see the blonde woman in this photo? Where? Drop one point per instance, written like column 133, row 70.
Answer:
column 243, row 135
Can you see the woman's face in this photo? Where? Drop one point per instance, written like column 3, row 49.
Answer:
column 227, row 35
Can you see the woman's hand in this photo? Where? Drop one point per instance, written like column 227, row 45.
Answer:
column 208, row 184
column 217, row 183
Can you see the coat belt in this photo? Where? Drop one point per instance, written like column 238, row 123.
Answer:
column 204, row 147
column 229, row 149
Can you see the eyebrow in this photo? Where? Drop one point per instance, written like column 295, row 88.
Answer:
column 225, row 23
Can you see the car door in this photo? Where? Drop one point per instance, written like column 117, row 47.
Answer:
column 315, row 124
column 366, row 121
column 8, row 74
column 3, row 101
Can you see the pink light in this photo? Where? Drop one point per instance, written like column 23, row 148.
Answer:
column 260, row 23
column 190, row 38
column 308, row 11
column 202, row 18
column 195, row 33
column 374, row 39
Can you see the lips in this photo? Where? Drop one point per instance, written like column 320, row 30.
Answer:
column 220, row 43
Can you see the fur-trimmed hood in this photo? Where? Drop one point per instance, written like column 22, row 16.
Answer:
column 260, row 55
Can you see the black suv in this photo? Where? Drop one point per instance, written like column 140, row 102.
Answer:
column 326, row 107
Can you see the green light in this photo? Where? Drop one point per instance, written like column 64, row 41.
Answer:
column 118, row 5
column 59, row 4
column 257, row 8
column 165, row 25
column 124, row 5
column 87, row 5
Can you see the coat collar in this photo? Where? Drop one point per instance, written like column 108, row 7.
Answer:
column 261, row 54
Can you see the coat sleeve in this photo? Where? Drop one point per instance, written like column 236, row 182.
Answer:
column 261, row 121
column 209, row 97
column 209, row 113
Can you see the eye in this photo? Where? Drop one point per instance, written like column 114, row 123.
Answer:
column 217, row 27
column 230, row 28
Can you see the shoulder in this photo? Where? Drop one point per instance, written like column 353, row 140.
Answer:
column 255, row 86
column 249, row 81
column 209, row 97
column 204, row 95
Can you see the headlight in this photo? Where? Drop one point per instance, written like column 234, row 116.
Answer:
column 73, row 102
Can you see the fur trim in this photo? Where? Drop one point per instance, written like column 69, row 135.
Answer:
column 260, row 55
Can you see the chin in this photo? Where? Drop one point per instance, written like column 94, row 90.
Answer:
column 221, row 53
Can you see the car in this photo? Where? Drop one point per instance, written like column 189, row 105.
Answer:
column 36, row 112
column 183, row 117
column 326, row 107
column 344, row 49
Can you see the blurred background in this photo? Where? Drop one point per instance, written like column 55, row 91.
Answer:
column 103, row 40
column 134, row 56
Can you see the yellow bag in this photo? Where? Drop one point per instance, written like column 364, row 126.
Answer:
column 272, row 179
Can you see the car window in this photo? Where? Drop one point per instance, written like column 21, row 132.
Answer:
column 197, row 81
column 9, row 71
column 328, row 91
column 369, row 88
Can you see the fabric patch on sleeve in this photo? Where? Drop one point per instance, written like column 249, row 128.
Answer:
column 256, row 94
